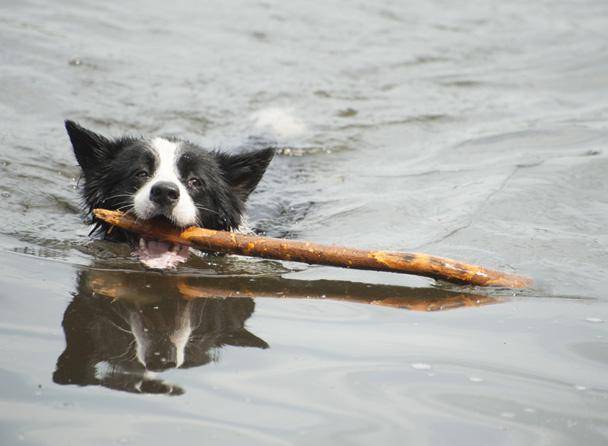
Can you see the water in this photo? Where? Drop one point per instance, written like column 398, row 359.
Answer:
column 476, row 131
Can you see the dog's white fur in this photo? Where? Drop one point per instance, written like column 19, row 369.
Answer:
column 184, row 212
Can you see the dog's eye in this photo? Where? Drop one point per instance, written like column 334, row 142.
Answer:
column 142, row 174
column 194, row 182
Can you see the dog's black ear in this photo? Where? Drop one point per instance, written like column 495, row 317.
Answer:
column 90, row 148
column 244, row 171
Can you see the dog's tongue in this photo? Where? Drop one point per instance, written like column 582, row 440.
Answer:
column 161, row 255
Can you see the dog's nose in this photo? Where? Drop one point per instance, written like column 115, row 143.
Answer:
column 164, row 193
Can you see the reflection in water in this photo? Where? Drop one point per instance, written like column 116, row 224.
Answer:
column 123, row 327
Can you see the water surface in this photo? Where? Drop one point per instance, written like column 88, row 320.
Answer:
column 473, row 131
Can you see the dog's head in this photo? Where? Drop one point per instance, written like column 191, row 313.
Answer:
column 165, row 178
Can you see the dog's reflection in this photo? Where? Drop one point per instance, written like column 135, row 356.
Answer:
column 122, row 328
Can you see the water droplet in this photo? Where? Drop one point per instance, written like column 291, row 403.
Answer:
column 475, row 379
column 594, row 319
column 579, row 387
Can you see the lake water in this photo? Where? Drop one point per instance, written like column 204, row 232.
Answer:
column 476, row 131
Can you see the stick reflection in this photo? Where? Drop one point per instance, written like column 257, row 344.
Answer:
column 123, row 328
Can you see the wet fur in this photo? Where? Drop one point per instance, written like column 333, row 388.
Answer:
column 112, row 167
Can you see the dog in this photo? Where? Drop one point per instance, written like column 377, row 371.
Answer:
column 164, row 178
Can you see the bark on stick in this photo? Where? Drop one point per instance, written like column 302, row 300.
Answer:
column 316, row 254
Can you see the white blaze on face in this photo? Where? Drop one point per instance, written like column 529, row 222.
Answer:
column 184, row 212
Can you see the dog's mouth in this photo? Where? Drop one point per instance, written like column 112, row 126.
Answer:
column 158, row 254
column 161, row 255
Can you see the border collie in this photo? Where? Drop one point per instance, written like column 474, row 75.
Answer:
column 164, row 178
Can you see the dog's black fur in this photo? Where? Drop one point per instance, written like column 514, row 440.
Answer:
column 114, row 170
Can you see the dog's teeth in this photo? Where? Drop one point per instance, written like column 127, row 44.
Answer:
column 142, row 243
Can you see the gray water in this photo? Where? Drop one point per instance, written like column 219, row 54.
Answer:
column 474, row 130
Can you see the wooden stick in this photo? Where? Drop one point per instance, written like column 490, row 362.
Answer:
column 316, row 254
